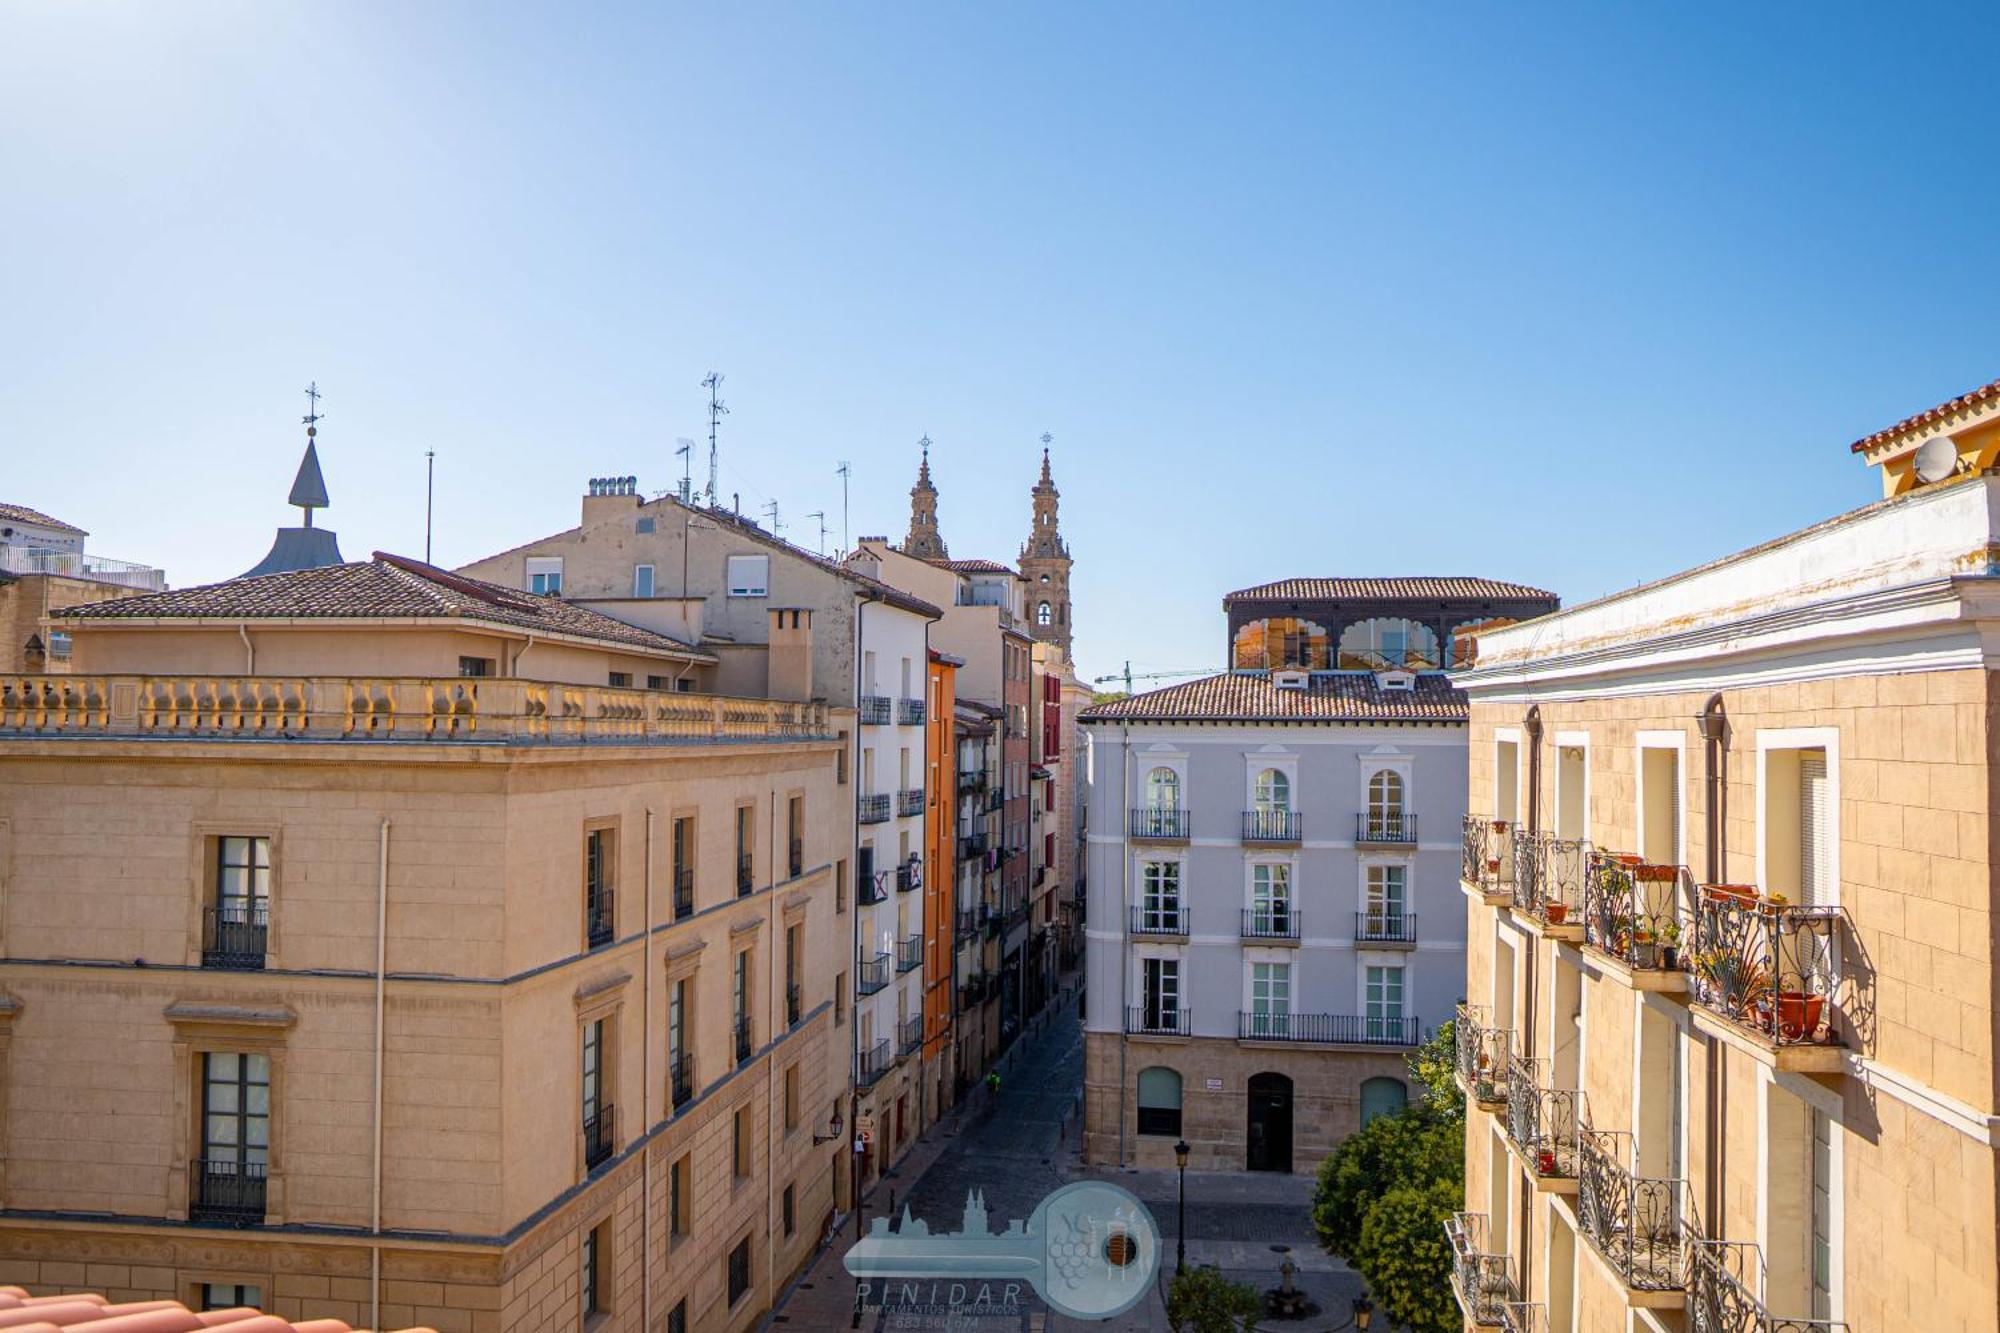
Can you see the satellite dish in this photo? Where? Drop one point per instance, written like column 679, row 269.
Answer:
column 1937, row 459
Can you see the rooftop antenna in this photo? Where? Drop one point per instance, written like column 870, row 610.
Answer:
column 820, row 514
column 716, row 411
column 686, row 454
column 843, row 470
column 430, row 488
column 772, row 509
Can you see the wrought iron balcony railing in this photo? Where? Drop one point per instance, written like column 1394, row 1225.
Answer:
column 746, row 1043
column 871, row 974
column 1549, row 877
column 1486, row 852
column 1771, row 967
column 910, row 954
column 226, row 1191
column 746, row 874
column 873, row 710
column 874, row 809
column 1385, row 927
column 1725, row 1284
column 1269, row 825
column 1545, row 1123
column 1275, row 921
column 598, row 916
column 683, row 892
column 599, row 1136
column 795, row 1003
column 234, row 934
column 1482, row 1280
column 795, row 858
column 871, row 889
column 1635, row 911
column 1485, row 1055
column 1329, row 1029
column 1524, row 1317
column 910, row 801
column 971, row 782
column 876, row 1061
column 1156, row 1020
column 995, row 797
column 680, row 1078
column 1159, row 919
column 1153, row 823
column 909, row 1034
column 910, row 712
column 909, row 875
column 1642, row 1226
column 972, row 846
column 1385, row 826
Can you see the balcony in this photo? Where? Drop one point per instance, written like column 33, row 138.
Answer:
column 1725, row 1287
column 1486, row 850
column 683, row 892
column 910, row 876
column 1544, row 1124
column 1385, row 827
column 873, row 710
column 680, row 1078
column 967, row 924
column 874, row 809
column 795, row 1004
column 871, row 974
column 971, row 846
column 1160, row 919
column 909, row 954
column 1482, row 1280
column 871, row 888
column 1640, row 1226
column 1549, row 878
column 746, row 1044
column 995, row 798
column 598, row 914
column 910, row 801
column 1276, row 922
column 233, row 935
column 1524, row 1317
column 1158, row 825
column 1770, row 971
column 1485, row 1057
column 1155, row 1020
column 910, row 712
column 599, row 1136
column 1271, row 827
column 876, row 1061
column 1635, row 913
column 971, row 782
column 1384, row 928
column 1329, row 1029
column 795, row 858
column 226, row 1191
column 909, row 1034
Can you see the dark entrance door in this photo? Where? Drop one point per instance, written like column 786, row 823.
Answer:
column 1270, row 1138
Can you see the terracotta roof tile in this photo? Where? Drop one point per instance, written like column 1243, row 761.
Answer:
column 85, row 1312
column 387, row 587
column 22, row 514
column 1983, row 394
column 974, row 567
column 1251, row 697
column 1418, row 588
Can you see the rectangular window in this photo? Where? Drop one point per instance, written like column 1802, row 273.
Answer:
column 238, row 925
column 840, row 1000
column 1387, row 895
column 742, row 993
column 621, row 680
column 1661, row 816
column 1160, row 895
column 1270, row 998
column 475, row 666
column 749, row 576
column 840, row 885
column 1271, row 898
column 1160, row 1101
column 739, row 1143
column 680, row 1199
column 683, row 886
column 590, row 1278
column 792, row 1098
column 599, row 862
column 677, row 1318
column 745, row 849
column 642, row 580
column 235, row 1136
column 790, row 1212
column 596, row 1121
column 795, row 835
column 545, row 574
column 739, row 1271
column 656, row 682
column 1821, row 1258
column 1162, row 992
column 840, row 761
column 1384, row 1001
column 230, row 1295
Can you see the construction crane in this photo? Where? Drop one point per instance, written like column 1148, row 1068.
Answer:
column 1128, row 675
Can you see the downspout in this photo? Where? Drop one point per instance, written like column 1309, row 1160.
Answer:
column 249, row 650
column 1124, row 915
column 1714, row 725
column 646, row 1085
column 1532, row 725
column 776, row 1001
column 375, row 1191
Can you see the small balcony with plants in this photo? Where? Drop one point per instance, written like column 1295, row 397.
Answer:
column 1766, row 974
column 1485, row 1057
column 1485, row 861
column 1545, row 1124
column 1641, row 1226
column 1481, row 1279
column 1637, row 913
column 1549, row 878
column 1725, row 1293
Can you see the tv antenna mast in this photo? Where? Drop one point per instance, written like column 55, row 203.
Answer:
column 820, row 514
column 771, row 508
column 716, row 411
column 686, row 454
column 842, row 471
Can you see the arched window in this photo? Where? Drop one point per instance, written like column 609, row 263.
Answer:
column 1273, row 792
column 1463, row 650
column 1282, row 641
column 1163, row 789
column 1382, row 1096
column 1385, row 804
column 1160, row 1101
column 1388, row 643
column 1043, row 616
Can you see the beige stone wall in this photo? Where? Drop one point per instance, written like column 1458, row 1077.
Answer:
column 26, row 598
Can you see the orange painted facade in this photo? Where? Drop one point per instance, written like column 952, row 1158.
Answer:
column 940, row 858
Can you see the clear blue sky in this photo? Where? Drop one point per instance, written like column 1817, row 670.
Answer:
column 1576, row 296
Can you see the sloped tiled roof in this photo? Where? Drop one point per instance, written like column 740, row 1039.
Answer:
column 974, row 567
column 22, row 514
column 85, row 1312
column 1251, row 697
column 1985, row 393
column 1417, row 587
column 387, row 587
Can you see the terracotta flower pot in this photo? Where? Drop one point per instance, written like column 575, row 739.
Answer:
column 1545, row 1162
column 1652, row 874
column 1493, row 866
column 1798, row 1014
column 1557, row 913
column 1730, row 895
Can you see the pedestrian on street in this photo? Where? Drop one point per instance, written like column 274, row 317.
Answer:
column 993, row 1081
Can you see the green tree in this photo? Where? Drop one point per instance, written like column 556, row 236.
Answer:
column 1405, row 1259
column 1435, row 1065
column 1411, row 1147
column 1202, row 1300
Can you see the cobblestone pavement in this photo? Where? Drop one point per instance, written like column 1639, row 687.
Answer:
column 1025, row 1142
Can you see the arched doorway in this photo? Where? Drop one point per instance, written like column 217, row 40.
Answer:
column 1270, row 1136
column 1382, row 1096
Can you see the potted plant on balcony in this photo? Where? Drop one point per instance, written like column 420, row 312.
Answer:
column 1648, row 873
column 1735, row 985
column 1555, row 913
column 1545, row 1161
column 1730, row 895
column 1643, row 952
column 1798, row 1016
column 1670, row 946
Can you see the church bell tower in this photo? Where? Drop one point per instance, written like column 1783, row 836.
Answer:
column 925, row 542
column 1045, row 565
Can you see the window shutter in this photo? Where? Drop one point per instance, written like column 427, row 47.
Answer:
column 1815, row 831
column 1674, row 811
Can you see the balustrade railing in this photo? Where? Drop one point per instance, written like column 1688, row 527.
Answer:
column 1545, row 1123
column 1385, row 826
column 1329, row 1029
column 1485, row 1054
column 1637, row 911
column 1159, row 919
column 360, row 708
column 1771, row 967
column 1158, row 822
column 227, row 1191
column 1156, row 1020
column 1486, row 852
column 1381, row 926
column 1641, row 1225
column 1274, row 921
column 1484, row 1280
column 1268, row 825
column 1725, row 1284
column 234, row 935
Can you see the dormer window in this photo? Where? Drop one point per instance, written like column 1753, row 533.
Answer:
column 1396, row 680
column 1290, row 680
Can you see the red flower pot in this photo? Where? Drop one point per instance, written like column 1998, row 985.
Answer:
column 1651, row 874
column 1798, row 1014
column 1545, row 1162
column 1557, row 913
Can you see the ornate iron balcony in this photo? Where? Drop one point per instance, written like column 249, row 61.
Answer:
column 1154, row 824
column 683, row 892
column 1635, row 911
column 1383, row 927
column 910, row 712
column 1276, row 921
column 874, row 809
column 680, row 1077
column 233, row 935
column 1485, row 1055
column 1545, row 1123
column 871, row 974
column 1160, row 919
column 1329, row 1029
column 1154, row 1020
column 1642, row 1226
column 1725, row 1286
column 599, row 1136
column 1483, row 1281
column 1385, row 826
column 910, row 954
column 598, row 916
column 226, row 1191
column 1486, row 852
column 1549, row 877
column 873, row 710
column 1769, row 967
column 1270, row 826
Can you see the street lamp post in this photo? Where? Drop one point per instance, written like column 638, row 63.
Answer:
column 1364, row 1312
column 1180, row 1231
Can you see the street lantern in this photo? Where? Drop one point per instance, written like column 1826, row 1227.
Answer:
column 1364, row 1311
column 1180, row 1231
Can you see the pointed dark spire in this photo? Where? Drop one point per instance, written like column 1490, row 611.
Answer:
column 304, row 547
column 309, row 487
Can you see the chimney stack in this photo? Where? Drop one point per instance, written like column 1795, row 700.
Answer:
column 791, row 654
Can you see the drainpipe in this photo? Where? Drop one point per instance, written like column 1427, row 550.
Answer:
column 775, row 1001
column 646, row 1085
column 249, row 651
column 1532, row 726
column 375, row 1200
column 1714, row 725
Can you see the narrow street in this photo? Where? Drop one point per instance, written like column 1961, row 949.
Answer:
column 1022, row 1144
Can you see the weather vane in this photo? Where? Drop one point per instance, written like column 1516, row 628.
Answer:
column 313, row 413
